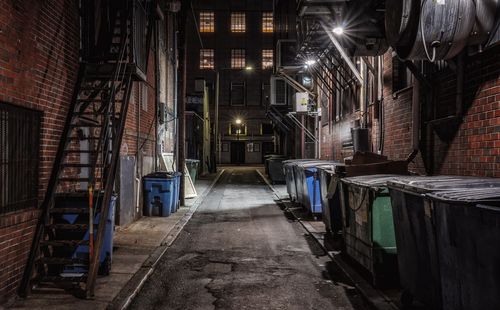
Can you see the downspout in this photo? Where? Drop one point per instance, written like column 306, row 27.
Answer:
column 157, row 91
column 380, row 100
column 415, row 121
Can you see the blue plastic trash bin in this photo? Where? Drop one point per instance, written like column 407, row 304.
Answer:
column 82, row 251
column 176, row 190
column 158, row 189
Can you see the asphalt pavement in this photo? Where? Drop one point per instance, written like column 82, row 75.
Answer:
column 241, row 251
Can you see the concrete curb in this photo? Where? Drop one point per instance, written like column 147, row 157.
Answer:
column 127, row 294
column 374, row 297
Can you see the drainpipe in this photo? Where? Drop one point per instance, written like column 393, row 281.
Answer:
column 415, row 120
column 157, row 91
column 380, row 100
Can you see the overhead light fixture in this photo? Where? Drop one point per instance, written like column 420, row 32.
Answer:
column 338, row 30
column 310, row 62
column 238, row 121
column 249, row 68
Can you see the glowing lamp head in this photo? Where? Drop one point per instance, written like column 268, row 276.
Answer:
column 248, row 68
column 338, row 30
column 238, row 121
column 310, row 62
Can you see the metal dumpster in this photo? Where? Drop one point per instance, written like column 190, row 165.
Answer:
column 275, row 167
column 330, row 198
column 415, row 238
column 158, row 190
column 82, row 251
column 368, row 226
column 176, row 191
column 467, row 230
column 267, row 158
column 288, row 170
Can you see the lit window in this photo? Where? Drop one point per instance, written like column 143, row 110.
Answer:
column 206, row 59
column 267, row 59
column 238, row 22
column 267, row 22
column 238, row 129
column 207, row 22
column 238, row 59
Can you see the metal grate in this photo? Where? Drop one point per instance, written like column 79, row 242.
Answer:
column 19, row 158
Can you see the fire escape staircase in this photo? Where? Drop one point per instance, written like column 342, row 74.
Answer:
column 67, row 249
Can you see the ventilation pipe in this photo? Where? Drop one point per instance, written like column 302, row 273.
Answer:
column 415, row 120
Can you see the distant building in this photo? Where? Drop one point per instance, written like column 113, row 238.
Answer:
column 235, row 39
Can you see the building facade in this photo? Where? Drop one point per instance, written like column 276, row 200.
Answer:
column 234, row 41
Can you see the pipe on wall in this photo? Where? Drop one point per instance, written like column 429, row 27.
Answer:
column 415, row 120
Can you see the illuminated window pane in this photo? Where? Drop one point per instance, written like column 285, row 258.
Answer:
column 238, row 22
column 267, row 59
column 267, row 22
column 206, row 59
column 207, row 22
column 238, row 60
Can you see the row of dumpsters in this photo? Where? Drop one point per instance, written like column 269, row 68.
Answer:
column 438, row 237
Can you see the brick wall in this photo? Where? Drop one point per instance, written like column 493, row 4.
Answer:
column 39, row 43
column 465, row 147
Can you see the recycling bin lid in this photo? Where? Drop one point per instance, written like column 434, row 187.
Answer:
column 469, row 195
column 426, row 184
column 375, row 181
column 161, row 175
column 292, row 162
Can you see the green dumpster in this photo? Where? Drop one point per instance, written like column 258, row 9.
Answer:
column 368, row 226
column 192, row 166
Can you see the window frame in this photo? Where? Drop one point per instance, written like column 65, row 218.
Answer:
column 267, row 58
column 238, row 58
column 238, row 22
column 267, row 22
column 209, row 56
column 206, row 21
column 243, row 85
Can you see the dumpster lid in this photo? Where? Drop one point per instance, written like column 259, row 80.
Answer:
column 193, row 160
column 426, row 184
column 373, row 181
column 469, row 195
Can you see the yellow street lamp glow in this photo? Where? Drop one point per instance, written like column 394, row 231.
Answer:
column 248, row 68
column 238, row 121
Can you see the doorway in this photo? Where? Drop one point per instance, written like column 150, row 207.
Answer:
column 237, row 153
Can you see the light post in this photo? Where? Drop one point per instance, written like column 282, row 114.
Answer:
column 217, row 135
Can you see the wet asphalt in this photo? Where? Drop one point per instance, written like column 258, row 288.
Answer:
column 240, row 251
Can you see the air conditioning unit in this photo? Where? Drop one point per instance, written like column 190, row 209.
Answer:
column 279, row 91
column 301, row 102
column 286, row 53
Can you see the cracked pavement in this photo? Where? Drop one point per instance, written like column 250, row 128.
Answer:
column 240, row 251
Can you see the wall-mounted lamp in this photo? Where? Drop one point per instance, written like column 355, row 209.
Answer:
column 310, row 62
column 338, row 30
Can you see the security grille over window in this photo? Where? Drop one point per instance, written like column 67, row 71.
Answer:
column 207, row 22
column 206, row 59
column 267, row 59
column 238, row 60
column 19, row 158
column 267, row 22
column 237, row 94
column 238, row 22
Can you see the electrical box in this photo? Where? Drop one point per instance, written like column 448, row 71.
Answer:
column 301, row 102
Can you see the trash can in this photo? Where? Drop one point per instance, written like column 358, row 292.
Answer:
column 192, row 166
column 158, row 191
column 467, row 230
column 415, row 229
column 288, row 170
column 368, row 226
column 176, row 190
column 301, row 180
column 330, row 199
column 275, row 168
column 267, row 159
column 82, row 251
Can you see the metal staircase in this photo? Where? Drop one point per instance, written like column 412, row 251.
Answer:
column 67, row 250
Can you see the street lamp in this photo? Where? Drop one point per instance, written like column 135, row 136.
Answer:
column 218, row 138
column 338, row 30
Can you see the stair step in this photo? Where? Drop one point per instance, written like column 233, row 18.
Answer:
column 83, row 151
column 86, row 125
column 68, row 226
column 69, row 211
column 77, row 179
column 72, row 243
column 62, row 279
column 63, row 261
column 79, row 193
column 83, row 138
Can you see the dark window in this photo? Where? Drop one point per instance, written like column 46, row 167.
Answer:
column 237, row 94
column 19, row 158
column 266, row 91
column 401, row 76
column 266, row 129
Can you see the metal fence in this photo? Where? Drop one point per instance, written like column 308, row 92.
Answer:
column 19, row 158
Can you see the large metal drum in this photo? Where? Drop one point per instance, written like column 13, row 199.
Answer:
column 442, row 27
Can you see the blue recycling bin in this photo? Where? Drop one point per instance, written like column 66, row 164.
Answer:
column 158, row 189
column 313, row 197
column 82, row 251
